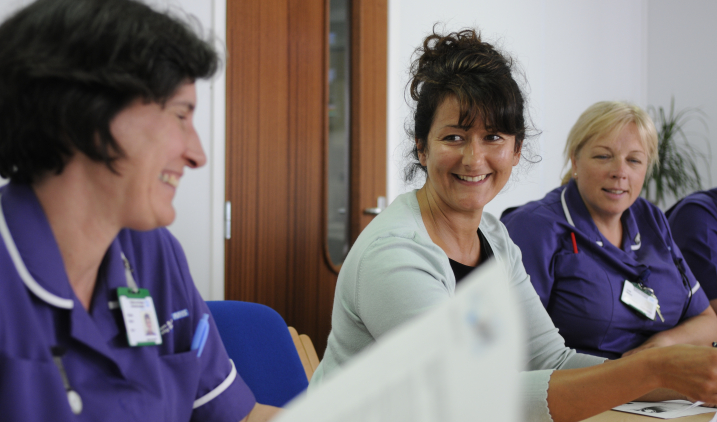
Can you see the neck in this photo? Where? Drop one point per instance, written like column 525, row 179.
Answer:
column 453, row 231
column 610, row 228
column 81, row 224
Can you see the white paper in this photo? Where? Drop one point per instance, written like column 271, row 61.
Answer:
column 670, row 409
column 458, row 362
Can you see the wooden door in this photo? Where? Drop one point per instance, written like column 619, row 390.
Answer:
column 277, row 93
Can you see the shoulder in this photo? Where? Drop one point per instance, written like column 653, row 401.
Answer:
column 706, row 199
column 647, row 213
column 394, row 244
column 399, row 225
column 547, row 209
column 703, row 203
column 537, row 219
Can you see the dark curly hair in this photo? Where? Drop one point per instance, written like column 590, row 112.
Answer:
column 479, row 76
column 67, row 67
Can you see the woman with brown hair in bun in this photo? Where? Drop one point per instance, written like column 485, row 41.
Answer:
column 469, row 126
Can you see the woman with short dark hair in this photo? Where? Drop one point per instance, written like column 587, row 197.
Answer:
column 99, row 315
column 469, row 128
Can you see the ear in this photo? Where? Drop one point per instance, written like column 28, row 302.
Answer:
column 516, row 153
column 421, row 152
column 573, row 166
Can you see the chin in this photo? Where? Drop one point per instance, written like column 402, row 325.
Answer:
column 154, row 222
column 166, row 219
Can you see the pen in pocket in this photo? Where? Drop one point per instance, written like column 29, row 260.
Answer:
column 200, row 336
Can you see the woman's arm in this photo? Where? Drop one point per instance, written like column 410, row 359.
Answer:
column 261, row 413
column 576, row 394
column 700, row 330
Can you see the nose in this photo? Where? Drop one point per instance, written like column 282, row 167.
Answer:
column 619, row 170
column 194, row 153
column 472, row 154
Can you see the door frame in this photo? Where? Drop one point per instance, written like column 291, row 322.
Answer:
column 217, row 158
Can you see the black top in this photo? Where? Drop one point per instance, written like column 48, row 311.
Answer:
column 460, row 270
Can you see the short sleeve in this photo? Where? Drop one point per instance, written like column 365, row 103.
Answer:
column 397, row 280
column 533, row 235
column 698, row 243
column 221, row 395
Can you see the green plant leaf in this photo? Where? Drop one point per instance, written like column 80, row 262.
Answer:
column 676, row 171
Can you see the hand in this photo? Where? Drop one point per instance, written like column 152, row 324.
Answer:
column 690, row 370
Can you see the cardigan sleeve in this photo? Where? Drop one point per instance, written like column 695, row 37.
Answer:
column 546, row 350
column 397, row 279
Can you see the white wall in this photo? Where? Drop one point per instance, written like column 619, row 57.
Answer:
column 682, row 57
column 573, row 54
column 200, row 198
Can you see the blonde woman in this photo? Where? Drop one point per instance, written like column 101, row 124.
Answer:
column 601, row 258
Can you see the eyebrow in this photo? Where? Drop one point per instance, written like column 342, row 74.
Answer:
column 610, row 149
column 190, row 106
column 466, row 128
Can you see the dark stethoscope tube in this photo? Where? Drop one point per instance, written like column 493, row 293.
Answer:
column 73, row 397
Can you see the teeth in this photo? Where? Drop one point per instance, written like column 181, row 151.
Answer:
column 169, row 179
column 615, row 191
column 472, row 179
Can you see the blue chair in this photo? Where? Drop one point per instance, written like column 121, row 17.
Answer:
column 258, row 341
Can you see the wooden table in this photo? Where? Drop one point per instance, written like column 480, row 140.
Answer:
column 614, row 416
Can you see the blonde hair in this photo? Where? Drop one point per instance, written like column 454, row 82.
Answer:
column 606, row 119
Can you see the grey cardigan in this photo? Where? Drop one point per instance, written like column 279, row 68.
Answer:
column 395, row 272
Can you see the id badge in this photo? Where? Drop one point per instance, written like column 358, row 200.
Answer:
column 639, row 299
column 140, row 318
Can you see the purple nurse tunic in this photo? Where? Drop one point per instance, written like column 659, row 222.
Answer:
column 39, row 311
column 694, row 227
column 580, row 284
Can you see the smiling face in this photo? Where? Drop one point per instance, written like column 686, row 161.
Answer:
column 158, row 141
column 467, row 166
column 610, row 173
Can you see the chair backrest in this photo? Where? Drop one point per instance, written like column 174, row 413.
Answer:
column 258, row 341
column 307, row 352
